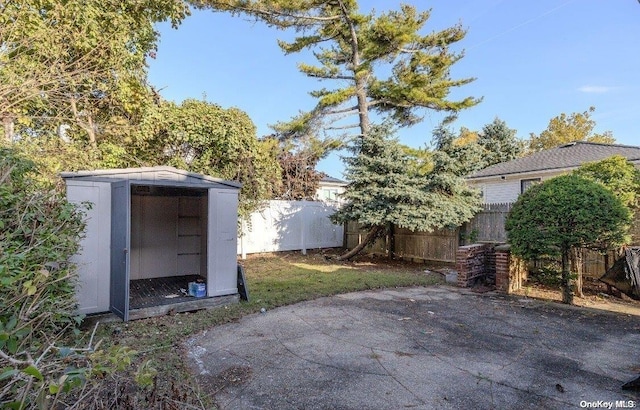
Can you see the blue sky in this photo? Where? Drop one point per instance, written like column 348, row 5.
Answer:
column 532, row 60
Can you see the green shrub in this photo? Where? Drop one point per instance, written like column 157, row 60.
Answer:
column 39, row 233
column 565, row 213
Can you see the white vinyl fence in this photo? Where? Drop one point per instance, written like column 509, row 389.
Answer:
column 290, row 225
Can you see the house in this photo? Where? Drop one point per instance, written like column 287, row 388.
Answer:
column 329, row 189
column 504, row 182
column 150, row 233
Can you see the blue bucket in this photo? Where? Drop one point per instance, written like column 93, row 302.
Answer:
column 197, row 289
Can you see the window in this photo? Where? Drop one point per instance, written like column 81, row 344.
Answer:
column 527, row 183
column 330, row 194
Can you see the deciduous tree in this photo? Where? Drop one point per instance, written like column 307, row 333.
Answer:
column 568, row 128
column 76, row 63
column 203, row 137
column 298, row 160
column 618, row 175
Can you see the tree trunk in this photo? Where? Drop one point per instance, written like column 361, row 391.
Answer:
column 606, row 269
column 392, row 241
column 567, row 293
column 371, row 236
column 91, row 132
column 576, row 266
column 8, row 125
column 88, row 127
column 361, row 80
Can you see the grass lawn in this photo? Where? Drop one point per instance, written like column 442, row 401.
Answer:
column 273, row 280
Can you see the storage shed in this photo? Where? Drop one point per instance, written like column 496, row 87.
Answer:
column 150, row 232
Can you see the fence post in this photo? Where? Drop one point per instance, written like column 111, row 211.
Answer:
column 243, row 233
column 303, row 218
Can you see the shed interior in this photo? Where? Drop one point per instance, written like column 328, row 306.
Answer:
column 168, row 243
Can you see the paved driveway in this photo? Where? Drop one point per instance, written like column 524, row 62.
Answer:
column 422, row 348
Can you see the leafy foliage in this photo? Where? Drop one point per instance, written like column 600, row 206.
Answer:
column 38, row 227
column 39, row 233
column 202, row 137
column 564, row 129
column 52, row 155
column 565, row 213
column 76, row 63
column 618, row 175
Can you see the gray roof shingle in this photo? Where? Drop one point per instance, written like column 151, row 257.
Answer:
column 566, row 156
column 332, row 180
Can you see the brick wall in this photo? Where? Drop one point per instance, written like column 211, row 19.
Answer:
column 471, row 263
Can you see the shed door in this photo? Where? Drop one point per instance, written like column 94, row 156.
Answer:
column 120, row 246
column 222, row 242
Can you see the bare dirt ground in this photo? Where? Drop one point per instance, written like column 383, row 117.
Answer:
column 596, row 296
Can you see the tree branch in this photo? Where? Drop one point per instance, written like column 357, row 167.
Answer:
column 349, row 110
column 276, row 17
column 344, row 127
column 333, row 77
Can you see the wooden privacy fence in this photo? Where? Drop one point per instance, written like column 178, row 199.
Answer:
column 437, row 246
column 354, row 235
column 488, row 226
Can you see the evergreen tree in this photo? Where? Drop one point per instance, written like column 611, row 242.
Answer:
column 381, row 61
column 462, row 157
column 385, row 190
column 499, row 143
column 382, row 65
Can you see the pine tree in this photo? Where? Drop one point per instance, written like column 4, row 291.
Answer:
column 379, row 63
column 462, row 159
column 384, row 190
column 500, row 143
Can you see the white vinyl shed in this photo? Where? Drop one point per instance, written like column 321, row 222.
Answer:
column 150, row 232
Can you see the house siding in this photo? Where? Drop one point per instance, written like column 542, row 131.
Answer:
column 497, row 190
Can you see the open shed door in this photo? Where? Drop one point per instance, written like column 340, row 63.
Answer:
column 120, row 247
column 222, row 244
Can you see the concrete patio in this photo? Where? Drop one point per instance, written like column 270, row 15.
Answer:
column 423, row 348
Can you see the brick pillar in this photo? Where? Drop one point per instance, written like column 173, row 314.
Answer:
column 490, row 264
column 470, row 263
column 510, row 271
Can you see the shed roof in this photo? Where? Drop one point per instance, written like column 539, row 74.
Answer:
column 155, row 174
column 567, row 156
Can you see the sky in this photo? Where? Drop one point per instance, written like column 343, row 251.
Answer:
column 532, row 61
